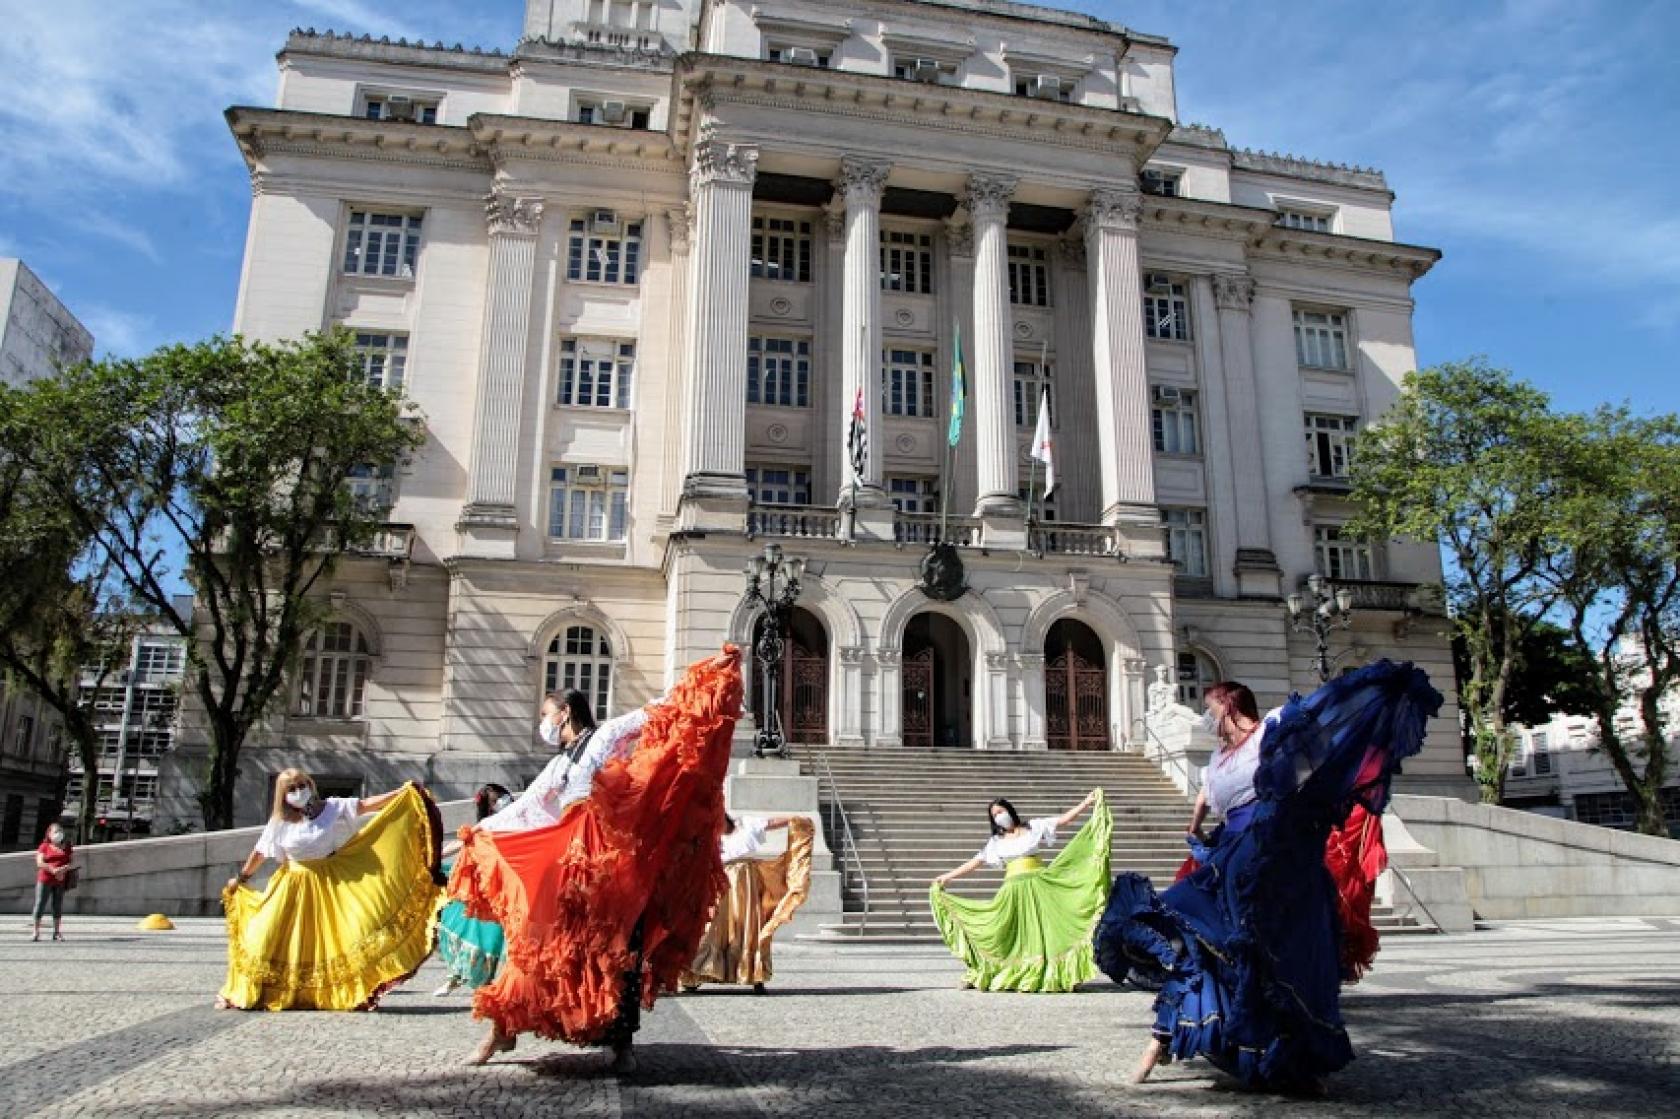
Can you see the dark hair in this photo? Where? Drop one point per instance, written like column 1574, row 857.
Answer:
column 1236, row 698
column 485, row 799
column 576, row 707
column 729, row 822
column 1007, row 807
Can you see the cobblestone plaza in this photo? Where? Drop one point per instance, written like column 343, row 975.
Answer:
column 1525, row 1018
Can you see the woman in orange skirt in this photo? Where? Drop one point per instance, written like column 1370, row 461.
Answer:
column 604, row 872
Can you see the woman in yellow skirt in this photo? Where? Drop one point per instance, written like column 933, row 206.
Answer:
column 349, row 914
column 762, row 896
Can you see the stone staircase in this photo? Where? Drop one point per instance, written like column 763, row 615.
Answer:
column 918, row 814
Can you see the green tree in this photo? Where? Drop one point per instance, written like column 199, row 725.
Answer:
column 1614, row 563
column 57, row 611
column 1459, row 459
column 235, row 453
column 1550, row 677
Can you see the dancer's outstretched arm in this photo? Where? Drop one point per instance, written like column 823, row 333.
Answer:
column 969, row 867
column 375, row 803
column 1073, row 813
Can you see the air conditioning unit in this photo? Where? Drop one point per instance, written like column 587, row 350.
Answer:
column 802, row 56
column 398, row 107
column 1168, row 394
column 613, row 112
column 1047, row 87
column 924, row 70
column 586, row 473
column 1154, row 283
column 604, row 221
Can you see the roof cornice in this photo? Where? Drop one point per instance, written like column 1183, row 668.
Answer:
column 261, row 132
column 507, row 138
column 1263, row 239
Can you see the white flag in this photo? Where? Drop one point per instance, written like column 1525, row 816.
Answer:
column 1043, row 447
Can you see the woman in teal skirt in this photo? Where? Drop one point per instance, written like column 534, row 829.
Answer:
column 1034, row 934
column 471, row 949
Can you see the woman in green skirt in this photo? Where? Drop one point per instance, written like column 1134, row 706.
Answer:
column 471, row 949
column 1034, row 934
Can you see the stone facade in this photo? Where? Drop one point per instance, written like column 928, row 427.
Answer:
column 643, row 272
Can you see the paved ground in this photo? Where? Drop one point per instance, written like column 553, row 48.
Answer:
column 1531, row 1019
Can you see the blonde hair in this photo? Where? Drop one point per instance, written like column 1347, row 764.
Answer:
column 284, row 782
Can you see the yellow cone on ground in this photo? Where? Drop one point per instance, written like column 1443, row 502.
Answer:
column 157, row 922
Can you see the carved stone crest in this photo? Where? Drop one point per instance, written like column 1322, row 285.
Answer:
column 718, row 161
column 1113, row 209
column 508, row 214
column 943, row 578
column 862, row 180
column 1233, row 291
column 988, row 195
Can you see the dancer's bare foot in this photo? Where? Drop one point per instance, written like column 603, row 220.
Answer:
column 1151, row 1057
column 222, row 1003
column 494, row 1043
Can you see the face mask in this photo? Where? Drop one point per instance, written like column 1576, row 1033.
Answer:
column 300, row 798
column 1003, row 820
column 1207, row 723
column 56, row 838
column 501, row 803
column 550, row 731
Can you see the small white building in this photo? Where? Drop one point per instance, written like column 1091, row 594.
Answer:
column 38, row 334
column 639, row 272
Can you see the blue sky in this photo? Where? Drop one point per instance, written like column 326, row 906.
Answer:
column 1534, row 142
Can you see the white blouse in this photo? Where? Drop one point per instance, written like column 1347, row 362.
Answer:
column 296, row 840
column 1037, row 835
column 563, row 782
column 746, row 841
column 1228, row 779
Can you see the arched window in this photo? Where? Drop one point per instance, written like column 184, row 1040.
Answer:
column 580, row 657
column 335, row 673
column 1196, row 671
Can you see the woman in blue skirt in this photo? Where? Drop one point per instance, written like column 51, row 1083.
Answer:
column 471, row 949
column 1245, row 949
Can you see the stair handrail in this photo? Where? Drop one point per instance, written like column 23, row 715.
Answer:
column 1413, row 899
column 1179, row 758
column 848, row 841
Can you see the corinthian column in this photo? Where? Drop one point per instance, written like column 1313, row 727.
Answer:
column 489, row 523
column 1122, row 383
column 1256, row 565
column 994, row 423
column 714, row 430
column 860, row 185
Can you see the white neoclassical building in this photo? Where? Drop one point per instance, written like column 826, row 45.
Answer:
column 639, row 272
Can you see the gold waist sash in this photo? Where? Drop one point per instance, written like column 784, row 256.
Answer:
column 1026, row 864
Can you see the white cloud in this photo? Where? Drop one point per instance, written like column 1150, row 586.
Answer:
column 118, row 333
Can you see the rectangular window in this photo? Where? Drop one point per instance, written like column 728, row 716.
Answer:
column 1315, row 221
column 373, row 488
column 779, row 372
column 1186, row 531
column 395, row 106
column 1029, row 276
column 779, row 485
column 1166, row 308
column 781, row 249
column 798, row 56
column 382, row 244
column 1153, row 180
column 914, row 494
column 588, row 503
column 907, row 387
column 160, row 659
column 1030, row 379
column 1321, row 339
column 612, row 114
column 602, row 249
column 596, row 372
column 1045, row 87
column 1329, row 445
column 1540, row 748
column 906, row 262
column 1339, row 557
column 928, row 70
column 1172, row 421
column 384, row 358
column 26, row 735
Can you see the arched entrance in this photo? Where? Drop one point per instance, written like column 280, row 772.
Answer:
column 937, row 684
column 1075, row 688
column 803, row 694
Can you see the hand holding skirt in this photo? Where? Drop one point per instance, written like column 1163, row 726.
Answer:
column 762, row 896
column 1034, row 934
column 336, row 933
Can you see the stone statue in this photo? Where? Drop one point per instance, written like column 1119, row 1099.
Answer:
column 942, row 573
column 1163, row 694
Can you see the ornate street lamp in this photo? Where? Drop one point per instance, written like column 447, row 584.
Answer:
column 1328, row 611
column 763, row 574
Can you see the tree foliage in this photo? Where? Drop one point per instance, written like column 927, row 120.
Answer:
column 234, row 454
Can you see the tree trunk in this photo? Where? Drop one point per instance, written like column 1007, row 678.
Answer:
column 1650, row 819
column 217, row 801
column 87, row 746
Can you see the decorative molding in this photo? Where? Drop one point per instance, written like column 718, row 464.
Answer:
column 997, row 662
column 904, row 317
column 776, row 433
column 862, row 180
column 679, row 227
column 888, row 658
column 959, row 236
column 1079, row 585
column 988, row 195
column 1233, row 291
column 1031, row 662
column 1113, row 209
column 1023, row 329
column 510, row 215
column 834, row 219
column 1071, row 247
column 851, row 655
column 781, row 306
column 906, row 444
column 718, row 161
